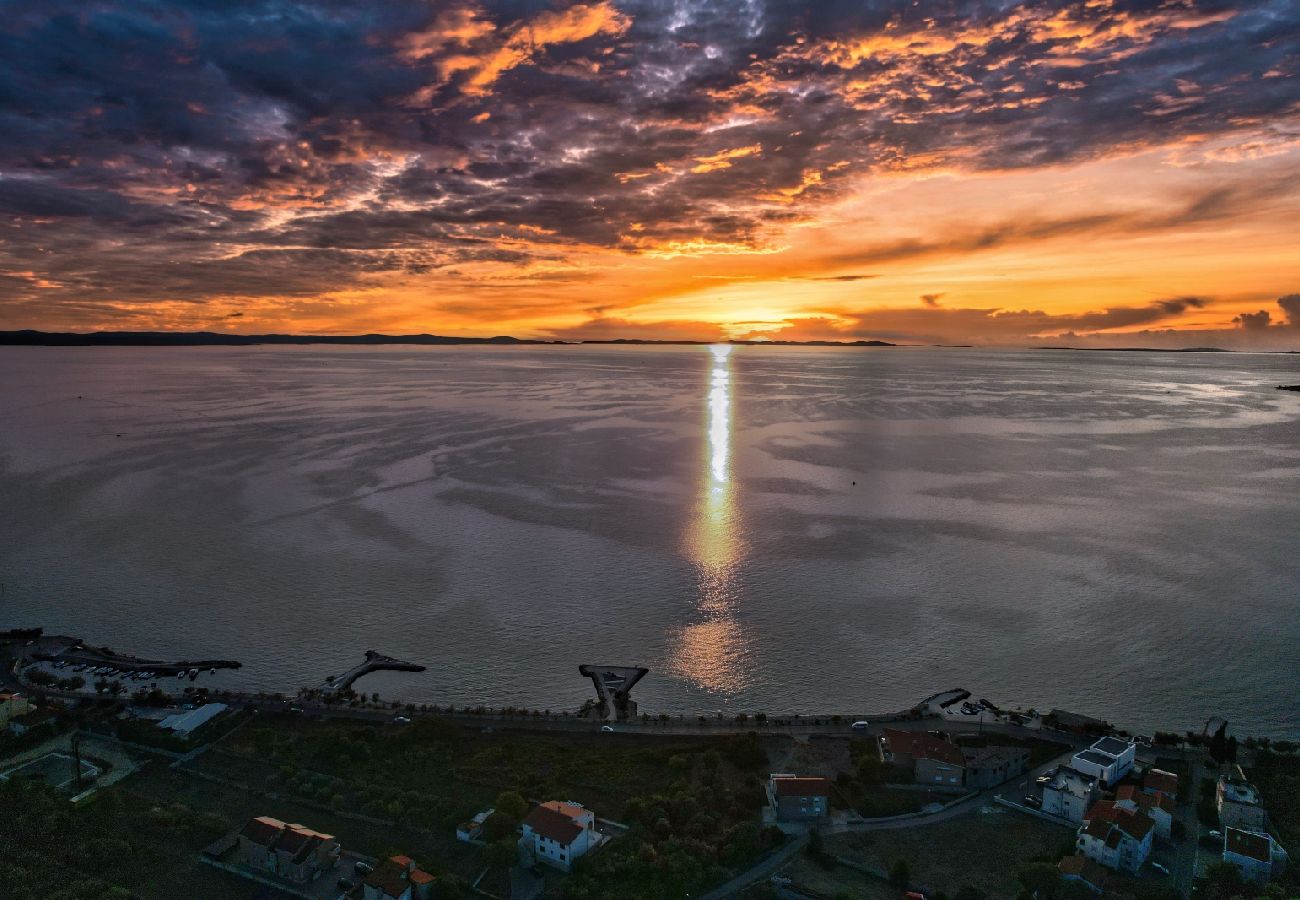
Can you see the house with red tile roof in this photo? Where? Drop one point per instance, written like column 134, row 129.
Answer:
column 290, row 851
column 1115, row 837
column 397, row 878
column 558, row 832
column 929, row 756
column 796, row 798
column 1158, row 781
column 1085, row 871
column 1254, row 853
column 1159, row 806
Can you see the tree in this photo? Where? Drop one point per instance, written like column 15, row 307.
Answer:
column 900, row 874
column 512, row 805
column 1219, row 744
column 501, row 854
column 969, row 892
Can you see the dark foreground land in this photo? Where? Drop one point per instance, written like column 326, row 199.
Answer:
column 686, row 812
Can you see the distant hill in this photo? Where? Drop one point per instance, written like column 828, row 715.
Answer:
column 211, row 338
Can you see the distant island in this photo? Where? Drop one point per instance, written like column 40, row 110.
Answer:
column 1139, row 349
column 31, row 338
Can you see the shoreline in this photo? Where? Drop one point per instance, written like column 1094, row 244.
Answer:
column 934, row 710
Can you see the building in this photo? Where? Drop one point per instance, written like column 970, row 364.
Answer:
column 929, row 756
column 1108, row 760
column 1083, row 870
column 1158, row 806
column 1069, row 794
column 1158, row 781
column 796, row 799
column 558, row 832
column 472, row 829
column 988, row 767
column 293, row 852
column 1115, row 837
column 184, row 724
column 12, row 706
column 1255, row 853
column 1239, row 804
column 397, row 878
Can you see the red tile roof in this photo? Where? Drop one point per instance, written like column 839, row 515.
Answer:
column 802, row 786
column 389, row 877
column 1160, row 780
column 1135, row 824
column 1081, row 867
column 262, row 830
column 924, row 745
column 1247, row 843
column 552, row 824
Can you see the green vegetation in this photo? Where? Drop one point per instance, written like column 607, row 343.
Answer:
column 1223, row 881
column 110, row 848
column 1277, row 775
column 691, row 803
column 695, row 834
column 982, row 851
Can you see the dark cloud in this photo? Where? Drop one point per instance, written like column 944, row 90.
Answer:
column 931, row 300
column 1290, row 305
column 190, row 150
column 1253, row 321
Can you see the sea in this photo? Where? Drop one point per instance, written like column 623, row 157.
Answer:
column 768, row 529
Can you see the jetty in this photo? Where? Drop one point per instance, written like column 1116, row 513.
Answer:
column 1288, row 387
column 33, row 645
column 614, row 688
column 374, row 662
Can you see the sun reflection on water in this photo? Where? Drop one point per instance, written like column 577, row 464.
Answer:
column 711, row 652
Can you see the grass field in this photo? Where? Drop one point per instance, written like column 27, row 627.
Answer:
column 983, row 849
column 808, row 877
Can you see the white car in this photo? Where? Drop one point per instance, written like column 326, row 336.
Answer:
column 607, row 729
column 861, row 725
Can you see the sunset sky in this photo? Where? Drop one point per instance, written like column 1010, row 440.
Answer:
column 1100, row 172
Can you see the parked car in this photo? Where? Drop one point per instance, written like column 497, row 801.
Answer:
column 1214, row 832
column 607, row 729
column 1043, row 779
column 1033, row 801
column 861, row 725
column 401, row 720
column 363, row 868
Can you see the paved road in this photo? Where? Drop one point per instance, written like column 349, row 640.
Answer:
column 760, row 871
column 1188, row 851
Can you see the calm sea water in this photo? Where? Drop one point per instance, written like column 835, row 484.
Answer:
column 775, row 529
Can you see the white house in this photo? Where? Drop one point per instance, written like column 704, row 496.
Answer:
column 1069, row 794
column 1255, row 853
column 472, row 830
column 1239, row 804
column 558, row 832
column 1108, row 760
column 1115, row 837
column 795, row 798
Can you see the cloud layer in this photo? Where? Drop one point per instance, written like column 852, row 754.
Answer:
column 294, row 156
